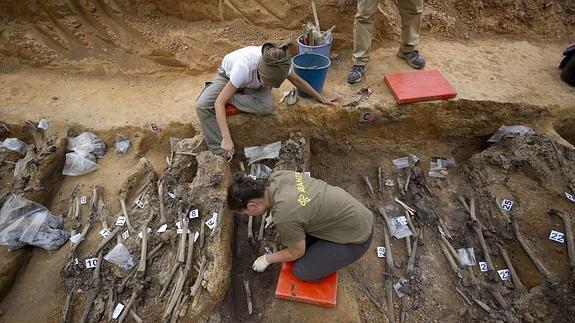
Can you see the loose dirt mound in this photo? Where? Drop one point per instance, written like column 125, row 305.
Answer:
column 112, row 36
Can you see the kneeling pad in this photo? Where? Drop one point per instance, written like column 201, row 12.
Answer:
column 322, row 293
column 419, row 86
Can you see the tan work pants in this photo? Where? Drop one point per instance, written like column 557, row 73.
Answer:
column 410, row 12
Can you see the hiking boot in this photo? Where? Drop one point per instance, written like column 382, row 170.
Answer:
column 413, row 59
column 356, row 74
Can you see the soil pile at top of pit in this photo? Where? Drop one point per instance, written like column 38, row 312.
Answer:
column 99, row 37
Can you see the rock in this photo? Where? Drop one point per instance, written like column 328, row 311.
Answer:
column 528, row 318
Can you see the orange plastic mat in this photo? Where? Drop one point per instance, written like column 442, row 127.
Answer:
column 419, row 86
column 322, row 293
column 231, row 110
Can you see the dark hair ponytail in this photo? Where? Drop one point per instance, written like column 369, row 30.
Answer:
column 243, row 189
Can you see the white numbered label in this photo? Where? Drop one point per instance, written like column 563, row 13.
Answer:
column 180, row 231
column 172, row 195
column 366, row 117
column 83, row 200
column 140, row 204
column 308, row 174
column 557, row 236
column 91, row 263
column 211, row 223
column 140, row 234
column 163, row 228
column 126, row 235
column 570, row 197
column 154, row 127
column 506, row 205
column 380, row 252
column 194, row 214
column 483, row 266
column 504, row 274
column 117, row 311
column 121, row 221
column 105, row 233
column 252, row 177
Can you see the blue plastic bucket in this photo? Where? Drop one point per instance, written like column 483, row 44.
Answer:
column 313, row 68
column 321, row 49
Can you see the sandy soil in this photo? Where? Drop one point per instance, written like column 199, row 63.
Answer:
column 124, row 66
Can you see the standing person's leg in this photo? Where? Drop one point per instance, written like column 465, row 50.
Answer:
column 323, row 258
column 207, row 114
column 362, row 34
column 411, row 12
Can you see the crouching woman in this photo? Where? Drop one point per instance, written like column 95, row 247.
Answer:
column 322, row 227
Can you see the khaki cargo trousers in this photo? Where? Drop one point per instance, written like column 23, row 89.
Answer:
column 410, row 12
column 257, row 101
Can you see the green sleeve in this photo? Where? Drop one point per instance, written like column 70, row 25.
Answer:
column 290, row 233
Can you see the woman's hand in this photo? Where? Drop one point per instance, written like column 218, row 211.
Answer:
column 228, row 147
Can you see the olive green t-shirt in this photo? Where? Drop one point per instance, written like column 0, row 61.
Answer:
column 300, row 204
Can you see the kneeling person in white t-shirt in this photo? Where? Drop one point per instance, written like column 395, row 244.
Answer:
column 245, row 80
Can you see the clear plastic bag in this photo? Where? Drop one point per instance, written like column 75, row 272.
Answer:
column 509, row 132
column 438, row 167
column 267, row 151
column 25, row 222
column 20, row 164
column 15, row 144
column 43, row 124
column 120, row 255
column 78, row 164
column 260, row 170
column 399, row 227
column 466, row 257
column 87, row 142
column 122, row 144
column 405, row 162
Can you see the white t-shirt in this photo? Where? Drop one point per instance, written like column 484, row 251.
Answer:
column 241, row 67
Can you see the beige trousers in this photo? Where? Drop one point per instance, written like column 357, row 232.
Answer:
column 410, row 12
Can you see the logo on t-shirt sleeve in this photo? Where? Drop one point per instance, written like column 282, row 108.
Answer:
column 302, row 199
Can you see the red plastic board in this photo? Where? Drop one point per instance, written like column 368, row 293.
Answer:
column 419, row 86
column 322, row 293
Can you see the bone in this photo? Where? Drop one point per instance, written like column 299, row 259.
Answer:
column 182, row 244
column 369, row 187
column 568, row 236
column 94, row 291
column 262, row 226
column 449, row 246
column 540, row 267
column 67, row 303
column 198, row 281
column 102, row 215
column 461, row 200
column 410, row 223
column 161, row 200
column 388, row 282
column 479, row 232
column 126, row 310
column 380, row 179
column 125, row 211
column 400, row 186
column 411, row 260
column 408, row 246
column 482, row 305
column 250, row 228
column 94, row 201
column 406, row 188
column 371, row 297
column 386, row 219
column 135, row 316
column 144, row 251
column 498, row 297
column 405, row 206
column 106, row 240
column 516, row 281
column 248, row 296
column 463, row 296
column 450, row 260
column 175, row 267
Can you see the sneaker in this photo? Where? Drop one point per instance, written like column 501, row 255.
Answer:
column 356, row 74
column 413, row 59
